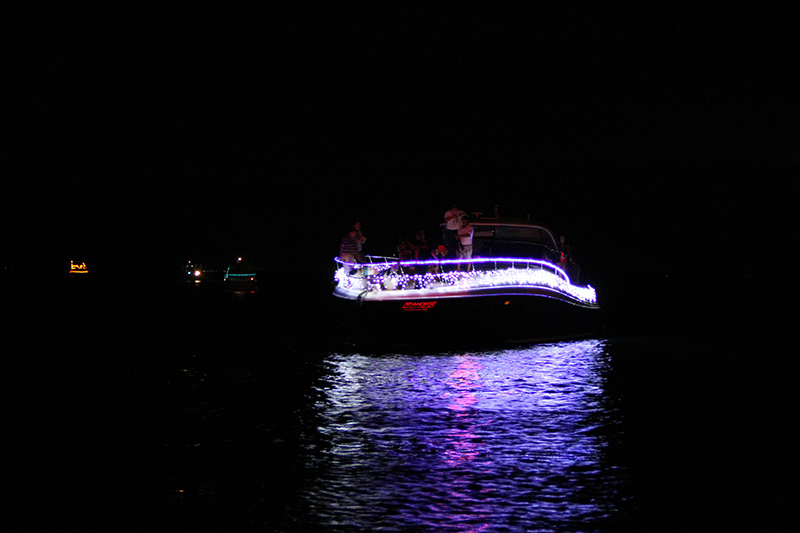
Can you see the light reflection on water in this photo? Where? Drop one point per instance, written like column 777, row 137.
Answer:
column 466, row 441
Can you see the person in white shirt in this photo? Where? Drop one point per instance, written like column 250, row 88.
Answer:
column 465, row 233
column 452, row 219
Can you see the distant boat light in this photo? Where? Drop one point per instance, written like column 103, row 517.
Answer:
column 78, row 268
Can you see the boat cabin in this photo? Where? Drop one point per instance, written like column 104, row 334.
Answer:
column 513, row 238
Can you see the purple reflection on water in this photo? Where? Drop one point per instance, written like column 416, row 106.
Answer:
column 511, row 438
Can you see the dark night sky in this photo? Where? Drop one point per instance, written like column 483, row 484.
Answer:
column 176, row 132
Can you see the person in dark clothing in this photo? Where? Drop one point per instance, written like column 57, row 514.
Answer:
column 348, row 247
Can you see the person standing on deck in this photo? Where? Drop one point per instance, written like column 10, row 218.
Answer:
column 465, row 233
column 348, row 247
column 452, row 220
column 360, row 240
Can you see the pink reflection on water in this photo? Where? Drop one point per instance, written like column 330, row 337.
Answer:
column 463, row 445
column 463, row 382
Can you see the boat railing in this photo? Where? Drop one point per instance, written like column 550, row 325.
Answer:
column 383, row 263
column 379, row 273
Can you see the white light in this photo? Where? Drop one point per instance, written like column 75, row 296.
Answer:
column 390, row 275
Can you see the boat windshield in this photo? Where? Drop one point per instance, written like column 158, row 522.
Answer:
column 513, row 241
column 527, row 234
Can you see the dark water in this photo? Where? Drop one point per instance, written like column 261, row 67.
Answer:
column 180, row 408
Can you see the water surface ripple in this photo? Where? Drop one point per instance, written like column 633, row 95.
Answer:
column 465, row 441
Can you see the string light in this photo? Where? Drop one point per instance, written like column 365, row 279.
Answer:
column 388, row 278
column 247, row 276
column 78, row 268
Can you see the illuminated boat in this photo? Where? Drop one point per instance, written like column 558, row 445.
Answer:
column 78, row 270
column 193, row 272
column 512, row 290
column 240, row 278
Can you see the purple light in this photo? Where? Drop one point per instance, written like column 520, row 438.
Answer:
column 391, row 262
column 391, row 278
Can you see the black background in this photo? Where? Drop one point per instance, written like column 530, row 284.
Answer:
column 655, row 138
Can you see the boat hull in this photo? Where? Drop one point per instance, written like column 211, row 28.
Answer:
column 476, row 320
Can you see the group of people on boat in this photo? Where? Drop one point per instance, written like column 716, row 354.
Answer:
column 457, row 241
column 458, row 233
